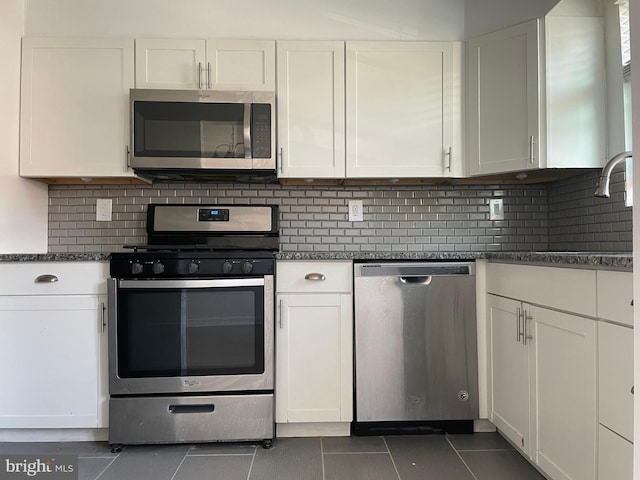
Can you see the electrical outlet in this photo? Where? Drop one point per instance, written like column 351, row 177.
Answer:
column 355, row 211
column 496, row 209
column 103, row 209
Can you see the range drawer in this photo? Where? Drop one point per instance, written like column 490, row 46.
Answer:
column 39, row 278
column 314, row 276
column 569, row 289
column 615, row 292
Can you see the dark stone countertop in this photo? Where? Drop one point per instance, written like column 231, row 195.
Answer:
column 55, row 257
column 597, row 260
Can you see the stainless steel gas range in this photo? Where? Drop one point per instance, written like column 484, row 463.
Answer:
column 191, row 327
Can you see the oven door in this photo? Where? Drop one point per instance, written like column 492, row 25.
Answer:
column 177, row 336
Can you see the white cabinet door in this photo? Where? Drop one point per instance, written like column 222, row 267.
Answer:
column 171, row 63
column 205, row 64
column 615, row 456
column 537, row 96
column 311, row 109
column 314, row 358
column 50, row 362
column 503, row 103
column 241, row 65
column 565, row 394
column 75, row 107
column 509, row 365
column 615, row 378
column 403, row 109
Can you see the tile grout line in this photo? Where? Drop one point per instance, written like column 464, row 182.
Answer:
column 484, row 450
column 460, row 457
column 181, row 462
column 356, row 453
column 105, row 468
column 253, row 459
column 393, row 462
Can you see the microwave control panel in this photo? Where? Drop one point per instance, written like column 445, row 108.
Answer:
column 261, row 130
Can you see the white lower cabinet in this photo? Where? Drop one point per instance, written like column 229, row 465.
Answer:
column 510, row 370
column 53, row 346
column 565, row 394
column 615, row 374
column 615, row 456
column 543, row 366
column 314, row 343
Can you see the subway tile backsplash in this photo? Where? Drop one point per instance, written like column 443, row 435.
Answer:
column 449, row 218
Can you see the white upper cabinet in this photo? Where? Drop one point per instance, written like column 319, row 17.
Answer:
column 403, row 109
column 311, row 109
column 205, row 64
column 74, row 118
column 536, row 96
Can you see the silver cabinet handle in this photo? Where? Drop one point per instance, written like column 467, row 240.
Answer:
column 209, row 85
column 526, row 318
column 199, row 76
column 531, row 149
column 279, row 159
column 317, row 277
column 127, row 156
column 47, row 278
column 518, row 316
column 448, row 155
column 103, row 320
column 280, row 322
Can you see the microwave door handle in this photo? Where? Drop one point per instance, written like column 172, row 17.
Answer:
column 247, row 130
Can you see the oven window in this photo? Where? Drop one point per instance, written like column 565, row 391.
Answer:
column 188, row 332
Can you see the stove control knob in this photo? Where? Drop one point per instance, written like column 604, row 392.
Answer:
column 136, row 268
column 193, row 267
column 158, row 268
column 227, row 266
column 247, row 267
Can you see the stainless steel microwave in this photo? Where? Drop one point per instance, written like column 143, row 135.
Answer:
column 196, row 134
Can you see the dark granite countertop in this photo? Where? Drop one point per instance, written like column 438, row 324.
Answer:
column 55, row 257
column 611, row 261
column 598, row 260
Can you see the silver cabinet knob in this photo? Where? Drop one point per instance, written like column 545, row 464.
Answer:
column 318, row 277
column 47, row 278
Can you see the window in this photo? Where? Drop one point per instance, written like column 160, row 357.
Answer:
column 625, row 51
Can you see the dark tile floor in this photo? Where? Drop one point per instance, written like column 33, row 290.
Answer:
column 482, row 456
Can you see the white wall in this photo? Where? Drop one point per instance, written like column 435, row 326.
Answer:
column 23, row 203
column 269, row 19
column 484, row 16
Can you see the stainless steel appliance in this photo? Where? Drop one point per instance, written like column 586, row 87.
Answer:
column 191, row 327
column 415, row 347
column 203, row 134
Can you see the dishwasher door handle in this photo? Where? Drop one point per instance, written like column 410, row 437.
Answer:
column 419, row 280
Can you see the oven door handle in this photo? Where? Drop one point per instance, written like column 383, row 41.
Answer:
column 205, row 283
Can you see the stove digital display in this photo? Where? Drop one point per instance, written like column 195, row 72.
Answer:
column 213, row 215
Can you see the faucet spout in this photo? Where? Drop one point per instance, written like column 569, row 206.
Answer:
column 605, row 175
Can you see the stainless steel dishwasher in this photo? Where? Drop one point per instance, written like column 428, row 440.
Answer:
column 415, row 347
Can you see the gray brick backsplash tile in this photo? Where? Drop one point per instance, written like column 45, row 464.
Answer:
column 447, row 218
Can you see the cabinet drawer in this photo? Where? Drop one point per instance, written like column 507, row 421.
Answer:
column 615, row 370
column 73, row 278
column 615, row 292
column 305, row 276
column 615, row 456
column 569, row 289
